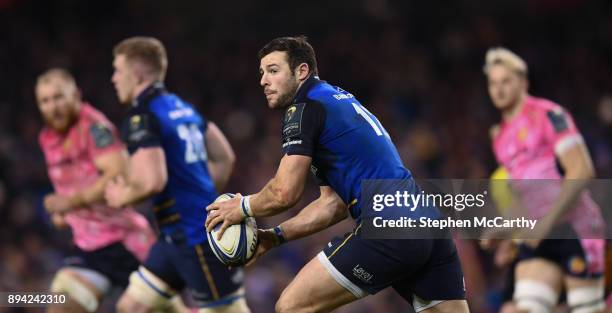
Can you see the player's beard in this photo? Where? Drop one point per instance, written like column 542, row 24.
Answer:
column 63, row 125
column 286, row 98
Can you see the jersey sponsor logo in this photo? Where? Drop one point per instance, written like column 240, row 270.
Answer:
column 292, row 142
column 558, row 120
column 102, row 135
column 183, row 112
column 341, row 96
column 292, row 129
column 137, row 135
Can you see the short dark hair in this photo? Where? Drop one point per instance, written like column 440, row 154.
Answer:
column 147, row 50
column 298, row 51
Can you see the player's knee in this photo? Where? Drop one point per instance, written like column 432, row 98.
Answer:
column 282, row 306
column 237, row 306
column 234, row 302
column 125, row 304
column 70, row 282
column 286, row 304
column 534, row 297
column 145, row 293
column 509, row 307
column 588, row 299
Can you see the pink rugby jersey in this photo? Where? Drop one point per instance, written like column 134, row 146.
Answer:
column 71, row 168
column 527, row 146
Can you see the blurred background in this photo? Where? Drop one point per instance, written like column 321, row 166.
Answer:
column 417, row 65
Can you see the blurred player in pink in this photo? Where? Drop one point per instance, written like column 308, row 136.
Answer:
column 549, row 164
column 83, row 153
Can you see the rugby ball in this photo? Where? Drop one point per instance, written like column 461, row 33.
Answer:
column 238, row 243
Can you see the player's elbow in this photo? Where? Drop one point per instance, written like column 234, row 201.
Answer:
column 159, row 185
column 588, row 172
column 287, row 199
column 156, row 188
column 337, row 210
column 340, row 211
column 227, row 159
column 228, row 165
column 285, row 196
column 155, row 184
column 222, row 167
column 583, row 171
column 230, row 159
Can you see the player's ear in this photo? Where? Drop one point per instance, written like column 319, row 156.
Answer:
column 302, row 71
column 140, row 77
column 139, row 72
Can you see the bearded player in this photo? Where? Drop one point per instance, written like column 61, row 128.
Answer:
column 549, row 164
column 326, row 130
column 83, row 153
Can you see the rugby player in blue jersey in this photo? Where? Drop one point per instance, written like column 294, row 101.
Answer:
column 180, row 160
column 327, row 131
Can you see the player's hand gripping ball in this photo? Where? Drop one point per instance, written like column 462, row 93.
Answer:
column 238, row 243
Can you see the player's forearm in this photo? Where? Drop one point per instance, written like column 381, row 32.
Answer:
column 273, row 199
column 318, row 215
column 579, row 171
column 575, row 182
column 92, row 194
column 137, row 191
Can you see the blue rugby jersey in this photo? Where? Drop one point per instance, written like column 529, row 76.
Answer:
column 347, row 143
column 161, row 119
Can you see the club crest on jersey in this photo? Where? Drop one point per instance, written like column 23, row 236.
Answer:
column 67, row 145
column 522, row 135
column 577, row 265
